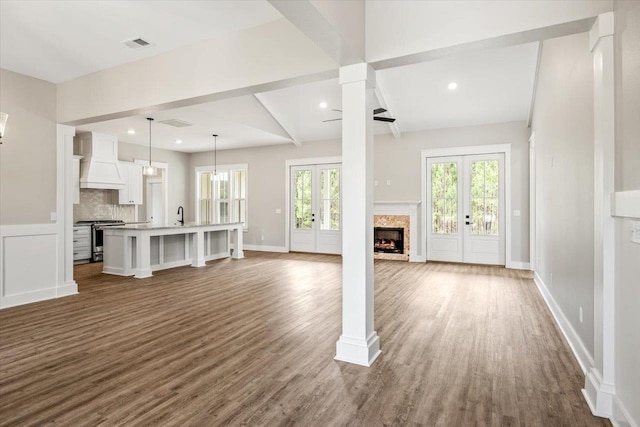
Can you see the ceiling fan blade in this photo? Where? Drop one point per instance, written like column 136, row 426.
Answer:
column 330, row 120
column 379, row 111
column 384, row 119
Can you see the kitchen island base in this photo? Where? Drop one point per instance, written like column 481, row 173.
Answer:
column 139, row 250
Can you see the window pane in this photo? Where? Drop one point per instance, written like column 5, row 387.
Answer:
column 239, row 184
column 477, row 179
column 491, row 217
column 477, row 215
column 437, row 173
column 492, row 179
column 335, row 214
column 205, row 210
column 444, row 187
column 205, row 185
column 242, row 211
column 223, row 209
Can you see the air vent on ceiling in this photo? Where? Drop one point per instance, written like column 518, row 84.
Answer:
column 176, row 123
column 136, row 43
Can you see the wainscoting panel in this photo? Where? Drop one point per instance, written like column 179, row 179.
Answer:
column 28, row 263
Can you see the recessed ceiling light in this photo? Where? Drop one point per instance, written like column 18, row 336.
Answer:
column 131, row 132
column 178, row 141
column 323, row 104
column 452, row 85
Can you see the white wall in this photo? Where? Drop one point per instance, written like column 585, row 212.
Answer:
column 398, row 160
column 627, row 350
column 28, row 152
column 28, row 194
column 395, row 160
column 563, row 125
column 397, row 28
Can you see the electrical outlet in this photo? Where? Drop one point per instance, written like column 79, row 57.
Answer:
column 550, row 278
column 516, row 212
column 278, row 211
column 54, row 216
column 388, row 182
column 375, row 182
column 261, row 237
column 580, row 314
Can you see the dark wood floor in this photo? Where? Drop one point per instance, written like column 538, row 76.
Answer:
column 252, row 342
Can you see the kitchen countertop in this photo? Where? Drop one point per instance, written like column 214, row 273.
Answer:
column 167, row 226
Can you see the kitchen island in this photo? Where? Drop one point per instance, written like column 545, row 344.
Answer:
column 138, row 250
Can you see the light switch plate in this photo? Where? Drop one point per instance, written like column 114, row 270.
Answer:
column 54, row 216
column 516, row 213
column 278, row 211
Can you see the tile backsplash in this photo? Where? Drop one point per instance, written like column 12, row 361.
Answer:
column 98, row 204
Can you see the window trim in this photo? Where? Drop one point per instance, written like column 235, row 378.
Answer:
column 230, row 168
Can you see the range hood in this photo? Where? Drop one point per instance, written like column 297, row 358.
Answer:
column 100, row 168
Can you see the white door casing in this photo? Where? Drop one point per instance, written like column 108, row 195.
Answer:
column 315, row 207
column 453, row 232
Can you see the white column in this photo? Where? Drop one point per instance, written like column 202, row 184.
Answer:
column 143, row 256
column 359, row 343
column 600, row 381
column 238, row 253
column 198, row 256
column 65, row 183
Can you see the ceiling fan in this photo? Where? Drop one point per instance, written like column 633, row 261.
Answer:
column 375, row 116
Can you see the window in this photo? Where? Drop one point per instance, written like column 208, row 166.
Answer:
column 444, row 195
column 222, row 197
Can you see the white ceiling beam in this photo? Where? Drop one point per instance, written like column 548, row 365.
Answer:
column 279, row 118
column 524, row 37
column 320, row 30
column 379, row 91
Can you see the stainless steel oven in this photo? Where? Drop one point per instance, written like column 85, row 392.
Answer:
column 97, row 239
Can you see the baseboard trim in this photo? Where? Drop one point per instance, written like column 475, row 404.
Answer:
column 585, row 360
column 213, row 257
column 518, row 265
column 29, row 297
column 70, row 288
column 265, row 248
column 620, row 416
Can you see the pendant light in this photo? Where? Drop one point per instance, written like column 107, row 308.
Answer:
column 149, row 170
column 215, row 157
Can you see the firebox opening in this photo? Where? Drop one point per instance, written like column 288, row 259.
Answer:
column 388, row 240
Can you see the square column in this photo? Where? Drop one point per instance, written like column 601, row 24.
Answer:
column 359, row 343
column 599, row 389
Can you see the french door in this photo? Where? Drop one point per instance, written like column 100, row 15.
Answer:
column 316, row 221
column 465, row 209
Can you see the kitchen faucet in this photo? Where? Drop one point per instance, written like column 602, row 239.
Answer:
column 181, row 210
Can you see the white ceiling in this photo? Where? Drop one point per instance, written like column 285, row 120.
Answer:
column 239, row 122
column 74, row 38
column 494, row 86
column 59, row 40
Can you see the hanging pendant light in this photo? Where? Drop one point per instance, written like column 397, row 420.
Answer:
column 149, row 170
column 215, row 157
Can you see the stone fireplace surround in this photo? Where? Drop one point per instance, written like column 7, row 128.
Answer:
column 399, row 214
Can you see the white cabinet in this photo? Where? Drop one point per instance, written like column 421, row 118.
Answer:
column 132, row 192
column 81, row 243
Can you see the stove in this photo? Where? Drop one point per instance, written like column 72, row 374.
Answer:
column 97, row 235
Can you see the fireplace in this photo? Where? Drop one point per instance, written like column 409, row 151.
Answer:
column 388, row 240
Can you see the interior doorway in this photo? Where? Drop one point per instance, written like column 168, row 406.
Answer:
column 154, row 201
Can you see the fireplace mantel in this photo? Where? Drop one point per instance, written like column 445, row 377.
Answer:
column 404, row 208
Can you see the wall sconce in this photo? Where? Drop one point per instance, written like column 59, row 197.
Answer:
column 3, row 124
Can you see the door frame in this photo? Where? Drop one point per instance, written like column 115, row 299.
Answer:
column 165, row 186
column 467, row 151
column 287, row 198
